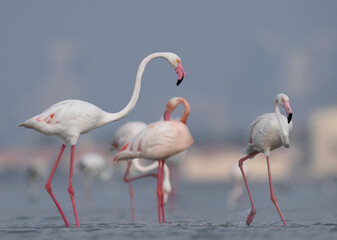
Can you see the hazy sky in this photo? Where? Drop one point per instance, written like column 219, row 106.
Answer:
column 237, row 56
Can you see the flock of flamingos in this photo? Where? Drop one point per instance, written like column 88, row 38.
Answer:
column 158, row 141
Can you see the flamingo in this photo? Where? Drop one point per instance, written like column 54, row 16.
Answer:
column 173, row 163
column 268, row 132
column 35, row 173
column 71, row 118
column 238, row 186
column 94, row 165
column 122, row 136
column 159, row 141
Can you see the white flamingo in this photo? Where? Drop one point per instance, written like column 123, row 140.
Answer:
column 71, row 118
column 123, row 135
column 268, row 132
column 238, row 186
column 159, row 141
column 35, row 173
column 94, row 165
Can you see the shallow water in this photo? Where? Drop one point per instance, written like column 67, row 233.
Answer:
column 200, row 212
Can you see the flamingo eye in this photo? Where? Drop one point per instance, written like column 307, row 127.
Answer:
column 178, row 61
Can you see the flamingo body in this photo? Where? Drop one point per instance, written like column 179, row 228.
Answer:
column 94, row 164
column 126, row 132
column 68, row 119
column 159, row 140
column 265, row 134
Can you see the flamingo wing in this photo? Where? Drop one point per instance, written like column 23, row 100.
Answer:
column 158, row 140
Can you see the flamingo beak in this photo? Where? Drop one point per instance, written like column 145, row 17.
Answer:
column 181, row 73
column 288, row 111
column 167, row 115
column 289, row 117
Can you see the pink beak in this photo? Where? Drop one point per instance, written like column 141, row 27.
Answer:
column 167, row 115
column 288, row 111
column 181, row 73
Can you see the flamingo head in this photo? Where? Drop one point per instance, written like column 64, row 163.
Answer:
column 175, row 62
column 166, row 189
column 284, row 100
column 170, row 106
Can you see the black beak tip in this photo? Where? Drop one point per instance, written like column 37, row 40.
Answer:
column 290, row 117
column 180, row 80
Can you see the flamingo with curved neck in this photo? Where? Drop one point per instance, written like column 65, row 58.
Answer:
column 71, row 118
column 268, row 132
column 159, row 141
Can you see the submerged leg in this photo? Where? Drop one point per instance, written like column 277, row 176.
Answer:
column 70, row 185
column 272, row 196
column 127, row 178
column 48, row 186
column 253, row 211
column 161, row 188
column 159, row 193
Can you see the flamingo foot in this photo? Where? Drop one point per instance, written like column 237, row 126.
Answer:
column 251, row 216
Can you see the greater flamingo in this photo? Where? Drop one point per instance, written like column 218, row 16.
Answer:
column 71, row 118
column 36, row 173
column 238, row 186
column 159, row 141
column 123, row 135
column 268, row 132
column 94, row 165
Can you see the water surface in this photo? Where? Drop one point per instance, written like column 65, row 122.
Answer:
column 200, row 212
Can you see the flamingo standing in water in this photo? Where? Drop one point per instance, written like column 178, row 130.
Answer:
column 268, row 132
column 159, row 141
column 71, row 118
column 94, row 165
column 238, row 186
column 123, row 135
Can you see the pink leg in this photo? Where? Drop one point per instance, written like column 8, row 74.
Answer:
column 161, row 187
column 70, row 185
column 48, row 185
column 127, row 178
column 253, row 211
column 159, row 193
column 272, row 196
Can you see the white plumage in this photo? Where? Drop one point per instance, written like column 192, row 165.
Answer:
column 159, row 141
column 268, row 132
column 71, row 118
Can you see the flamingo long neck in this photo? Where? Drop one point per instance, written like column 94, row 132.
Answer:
column 110, row 117
column 186, row 113
column 150, row 167
column 142, row 168
column 284, row 133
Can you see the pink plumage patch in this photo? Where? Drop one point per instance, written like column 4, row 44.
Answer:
column 50, row 117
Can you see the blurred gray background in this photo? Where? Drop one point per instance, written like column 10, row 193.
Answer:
column 237, row 56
